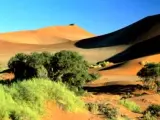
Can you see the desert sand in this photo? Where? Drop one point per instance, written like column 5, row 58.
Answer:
column 130, row 45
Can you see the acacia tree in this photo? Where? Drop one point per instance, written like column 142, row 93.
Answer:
column 149, row 74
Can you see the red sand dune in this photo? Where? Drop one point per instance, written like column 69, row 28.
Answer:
column 132, row 66
column 48, row 35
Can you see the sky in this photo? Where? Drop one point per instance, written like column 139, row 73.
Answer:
column 96, row 16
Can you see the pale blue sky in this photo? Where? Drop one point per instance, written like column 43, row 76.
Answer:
column 96, row 16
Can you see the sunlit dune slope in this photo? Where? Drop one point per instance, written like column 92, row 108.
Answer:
column 131, row 67
column 48, row 35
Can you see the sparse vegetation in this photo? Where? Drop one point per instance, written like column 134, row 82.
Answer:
column 124, row 117
column 154, row 110
column 148, row 116
column 149, row 74
column 106, row 109
column 101, row 64
column 130, row 105
column 29, row 97
column 92, row 107
column 109, row 111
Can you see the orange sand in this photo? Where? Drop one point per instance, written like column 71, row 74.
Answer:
column 48, row 35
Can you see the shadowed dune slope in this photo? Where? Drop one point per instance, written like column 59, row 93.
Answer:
column 142, row 39
column 48, row 35
column 139, row 31
column 141, row 49
column 130, row 67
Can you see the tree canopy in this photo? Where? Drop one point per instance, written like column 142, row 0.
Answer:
column 66, row 66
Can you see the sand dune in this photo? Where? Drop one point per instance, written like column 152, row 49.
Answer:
column 129, row 45
column 48, row 35
column 131, row 67
column 141, row 39
column 139, row 31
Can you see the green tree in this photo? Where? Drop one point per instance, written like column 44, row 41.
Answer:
column 65, row 66
column 27, row 66
column 149, row 74
column 70, row 68
column 18, row 64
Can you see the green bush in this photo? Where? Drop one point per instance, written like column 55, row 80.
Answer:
column 70, row 68
column 106, row 109
column 149, row 74
column 92, row 107
column 130, row 105
column 65, row 66
column 109, row 111
column 28, row 66
column 29, row 97
column 154, row 110
column 148, row 116
column 124, row 117
column 18, row 64
column 93, row 76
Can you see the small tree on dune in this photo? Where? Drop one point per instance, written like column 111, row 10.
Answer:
column 149, row 74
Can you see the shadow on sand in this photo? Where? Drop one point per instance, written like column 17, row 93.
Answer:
column 113, row 66
column 114, row 89
column 141, row 49
column 125, row 36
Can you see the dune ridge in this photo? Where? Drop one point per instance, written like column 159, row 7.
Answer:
column 48, row 35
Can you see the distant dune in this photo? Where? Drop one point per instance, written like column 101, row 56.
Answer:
column 48, row 35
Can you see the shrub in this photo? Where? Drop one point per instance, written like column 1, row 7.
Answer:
column 28, row 66
column 130, row 105
column 106, row 109
column 70, row 68
column 124, row 117
column 92, row 107
column 109, row 111
column 19, row 66
column 65, row 66
column 149, row 116
column 28, row 97
column 149, row 74
column 93, row 76
column 154, row 110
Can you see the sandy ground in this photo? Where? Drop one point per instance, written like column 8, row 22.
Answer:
column 55, row 113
